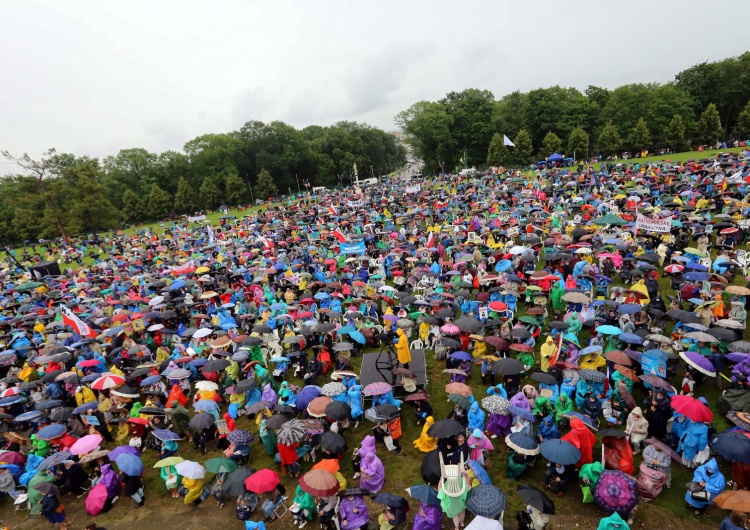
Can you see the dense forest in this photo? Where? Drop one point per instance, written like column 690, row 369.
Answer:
column 706, row 103
column 61, row 193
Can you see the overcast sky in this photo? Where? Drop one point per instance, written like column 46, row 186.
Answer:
column 93, row 77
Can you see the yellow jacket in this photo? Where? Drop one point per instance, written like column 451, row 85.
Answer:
column 402, row 347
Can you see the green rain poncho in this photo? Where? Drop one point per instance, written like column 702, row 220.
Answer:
column 575, row 324
column 556, row 297
column 268, row 439
column 591, row 472
column 305, row 501
column 563, row 405
column 542, row 407
column 613, row 522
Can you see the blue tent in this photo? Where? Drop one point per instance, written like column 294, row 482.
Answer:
column 555, row 157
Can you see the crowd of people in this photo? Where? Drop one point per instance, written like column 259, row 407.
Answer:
column 560, row 312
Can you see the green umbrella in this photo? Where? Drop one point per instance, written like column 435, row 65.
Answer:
column 221, row 465
column 529, row 320
column 610, row 219
column 28, row 285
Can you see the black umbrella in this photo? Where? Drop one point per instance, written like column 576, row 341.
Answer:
column 536, row 498
column 469, row 324
column 733, row 446
column 353, row 491
column 722, row 334
column 234, row 483
column 449, row 343
column 507, row 366
column 276, row 421
column 520, row 333
column 547, row 379
column 201, row 421
column 558, row 324
column 257, row 407
column 445, row 429
column 284, row 409
column 333, row 442
column 381, row 413
column 216, row 365
column 49, row 377
column 246, row 385
column 48, row 404
column 48, row 488
column 614, row 433
column 338, row 411
column 142, row 371
column 61, row 415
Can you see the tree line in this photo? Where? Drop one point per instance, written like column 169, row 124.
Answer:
column 61, row 194
column 706, row 103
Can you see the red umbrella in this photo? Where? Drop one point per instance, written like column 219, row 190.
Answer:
column 12, row 457
column 96, row 499
column 627, row 372
column 107, row 381
column 498, row 306
column 618, row 357
column 262, row 481
column 692, row 408
column 521, row 347
column 88, row 363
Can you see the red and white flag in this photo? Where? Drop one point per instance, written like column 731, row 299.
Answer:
column 182, row 270
column 70, row 319
column 333, row 210
column 267, row 243
column 338, row 234
column 431, row 240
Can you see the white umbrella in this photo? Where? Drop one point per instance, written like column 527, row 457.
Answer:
column 701, row 337
column 156, row 327
column 518, row 250
column 483, row 523
column 206, row 386
column 203, row 332
column 156, row 300
column 191, row 470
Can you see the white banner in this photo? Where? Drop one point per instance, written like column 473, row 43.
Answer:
column 663, row 225
column 193, row 218
column 355, row 204
column 413, row 189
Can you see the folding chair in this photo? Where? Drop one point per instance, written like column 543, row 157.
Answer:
column 281, row 508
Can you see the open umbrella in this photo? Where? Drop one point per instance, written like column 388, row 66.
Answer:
column 522, row 444
column 319, row 483
column 262, row 481
column 96, row 499
column 692, row 408
column 592, row 375
column 201, row 421
column 129, row 464
column 460, row 401
column 234, row 483
column 459, row 388
column 221, row 465
column 50, row 432
column 376, row 389
column 486, row 500
column 338, row 411
column 699, row 362
column 392, row 501
column 86, row 444
column 191, row 470
column 616, row 492
column 733, row 500
column 430, row 468
column 47, row 463
column 333, row 443
column 381, row 413
column 48, row 488
column 536, row 498
column 240, row 437
column 507, row 366
column 276, row 421
column 291, row 432
column 545, row 378
column 423, row 493
column 560, row 452
column 317, row 407
column 122, row 450
column 732, row 445
column 445, row 429
column 496, row 405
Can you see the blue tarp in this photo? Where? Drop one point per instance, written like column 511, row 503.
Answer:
column 554, row 157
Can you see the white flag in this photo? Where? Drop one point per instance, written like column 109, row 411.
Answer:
column 210, row 234
column 506, row 141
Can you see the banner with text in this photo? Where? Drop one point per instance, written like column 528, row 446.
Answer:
column 352, row 248
column 663, row 225
column 355, row 204
column 194, row 218
column 413, row 189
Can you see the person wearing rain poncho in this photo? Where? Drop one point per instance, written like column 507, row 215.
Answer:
column 372, row 473
column 479, row 444
column 613, row 522
column 354, row 395
column 353, row 512
column 402, row 348
column 193, row 488
column 592, row 361
column 707, row 483
column 641, row 288
column 547, row 352
column 171, row 479
column 693, row 442
column 547, row 429
column 267, row 436
column 39, row 447
column 425, row 443
column 428, row 517
column 476, row 417
column 303, row 507
column 583, row 439
column 454, row 507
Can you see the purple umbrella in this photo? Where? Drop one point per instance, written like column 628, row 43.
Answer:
column 737, row 356
column 699, row 362
column 305, row 396
column 390, row 318
column 616, row 492
column 122, row 450
column 462, row 356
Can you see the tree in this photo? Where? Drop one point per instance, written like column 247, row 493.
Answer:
column 132, row 207
column 497, row 153
column 578, row 143
column 265, row 186
column 524, row 149
column 674, row 135
column 609, row 140
column 551, row 144
column 640, row 138
column 709, row 126
column 183, row 197
column 209, row 194
column 159, row 203
column 743, row 123
column 236, row 189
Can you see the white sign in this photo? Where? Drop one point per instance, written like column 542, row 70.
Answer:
column 472, row 237
column 648, row 224
column 483, row 314
column 513, row 231
column 193, row 218
column 413, row 189
column 355, row 204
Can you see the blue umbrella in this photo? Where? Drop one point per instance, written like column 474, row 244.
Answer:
column 696, row 276
column 206, row 405
column 659, row 354
column 346, row 329
column 733, row 446
column 50, row 432
column 10, row 400
column 13, row 468
column 608, row 330
column 629, row 309
column 165, row 435
column 54, row 460
column 479, row 472
column 584, row 419
column 91, row 405
column 486, row 500
column 198, row 362
column 503, row 265
column 462, row 356
column 423, row 493
column 522, row 443
column 696, row 267
column 29, row 416
column 305, row 396
column 590, row 349
column 523, row 413
column 177, row 284
column 150, row 380
column 130, row 465
column 630, row 338
column 358, row 337
column 560, row 452
column 277, row 307
column 91, row 377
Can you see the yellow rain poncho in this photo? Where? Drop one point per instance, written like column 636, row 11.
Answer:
column 425, row 443
column 402, row 347
column 548, row 350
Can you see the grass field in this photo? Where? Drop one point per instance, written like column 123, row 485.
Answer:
column 403, row 471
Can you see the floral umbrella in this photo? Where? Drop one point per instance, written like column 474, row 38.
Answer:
column 616, row 492
column 496, row 405
column 376, row 389
column 458, row 388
